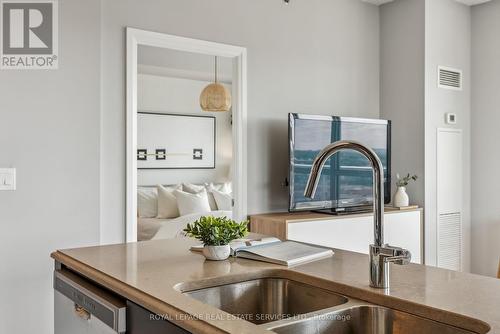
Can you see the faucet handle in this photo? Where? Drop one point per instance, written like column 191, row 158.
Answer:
column 399, row 255
column 380, row 257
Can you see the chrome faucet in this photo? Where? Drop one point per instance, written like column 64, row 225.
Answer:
column 380, row 254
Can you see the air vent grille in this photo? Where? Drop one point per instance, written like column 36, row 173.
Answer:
column 449, row 78
column 450, row 241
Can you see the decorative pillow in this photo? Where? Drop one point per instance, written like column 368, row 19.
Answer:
column 211, row 200
column 227, row 187
column 167, row 202
column 192, row 188
column 192, row 203
column 224, row 200
column 147, row 202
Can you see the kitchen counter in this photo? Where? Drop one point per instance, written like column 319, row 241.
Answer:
column 153, row 274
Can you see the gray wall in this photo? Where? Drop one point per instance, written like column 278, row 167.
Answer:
column 485, row 156
column 50, row 133
column 446, row 44
column 402, row 75
column 314, row 56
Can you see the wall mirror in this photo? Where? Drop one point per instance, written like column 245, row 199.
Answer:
column 186, row 133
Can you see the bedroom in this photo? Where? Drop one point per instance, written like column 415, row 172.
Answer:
column 184, row 155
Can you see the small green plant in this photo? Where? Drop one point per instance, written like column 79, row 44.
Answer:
column 216, row 231
column 403, row 182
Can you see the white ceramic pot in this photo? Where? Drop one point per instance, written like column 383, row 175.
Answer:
column 401, row 198
column 217, row 253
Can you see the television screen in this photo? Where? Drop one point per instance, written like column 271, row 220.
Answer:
column 346, row 180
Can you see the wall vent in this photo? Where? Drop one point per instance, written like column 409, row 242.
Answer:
column 449, row 78
column 450, row 241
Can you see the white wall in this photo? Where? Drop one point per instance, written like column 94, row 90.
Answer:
column 50, row 133
column 315, row 56
column 402, row 75
column 485, row 123
column 448, row 43
column 181, row 96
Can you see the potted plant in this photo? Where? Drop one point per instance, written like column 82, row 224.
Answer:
column 216, row 233
column 401, row 198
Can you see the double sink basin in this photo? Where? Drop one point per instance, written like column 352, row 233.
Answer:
column 287, row 307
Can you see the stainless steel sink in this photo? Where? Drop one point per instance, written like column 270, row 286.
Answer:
column 268, row 299
column 367, row 319
column 289, row 307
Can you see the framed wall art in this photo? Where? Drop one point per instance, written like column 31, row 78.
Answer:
column 175, row 141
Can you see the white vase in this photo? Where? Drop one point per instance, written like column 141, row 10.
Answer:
column 401, row 198
column 217, row 253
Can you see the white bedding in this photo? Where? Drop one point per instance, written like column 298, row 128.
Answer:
column 147, row 227
column 153, row 228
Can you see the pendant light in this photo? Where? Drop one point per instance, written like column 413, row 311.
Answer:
column 215, row 97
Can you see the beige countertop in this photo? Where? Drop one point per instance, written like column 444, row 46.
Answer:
column 152, row 274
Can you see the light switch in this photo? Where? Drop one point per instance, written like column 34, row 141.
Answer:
column 7, row 179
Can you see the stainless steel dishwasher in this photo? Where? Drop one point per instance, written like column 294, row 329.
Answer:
column 82, row 307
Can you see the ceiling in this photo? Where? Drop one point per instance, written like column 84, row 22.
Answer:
column 180, row 64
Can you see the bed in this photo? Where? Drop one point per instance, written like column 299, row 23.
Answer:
column 163, row 211
column 154, row 228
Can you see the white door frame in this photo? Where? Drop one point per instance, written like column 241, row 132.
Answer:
column 136, row 37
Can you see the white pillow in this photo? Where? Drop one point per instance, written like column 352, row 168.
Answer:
column 192, row 203
column 224, row 200
column 227, row 187
column 167, row 202
column 147, row 202
column 211, row 199
column 224, row 187
column 192, row 188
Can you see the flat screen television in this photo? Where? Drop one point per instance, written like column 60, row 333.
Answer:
column 346, row 180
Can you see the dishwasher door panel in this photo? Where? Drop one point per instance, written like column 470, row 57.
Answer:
column 66, row 321
column 81, row 307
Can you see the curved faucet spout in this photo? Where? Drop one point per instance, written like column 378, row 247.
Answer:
column 380, row 254
column 378, row 179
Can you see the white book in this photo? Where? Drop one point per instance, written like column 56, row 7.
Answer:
column 286, row 253
column 242, row 244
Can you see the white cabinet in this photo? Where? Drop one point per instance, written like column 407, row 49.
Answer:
column 354, row 232
column 405, row 229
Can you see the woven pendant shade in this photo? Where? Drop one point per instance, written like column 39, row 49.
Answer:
column 215, row 97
